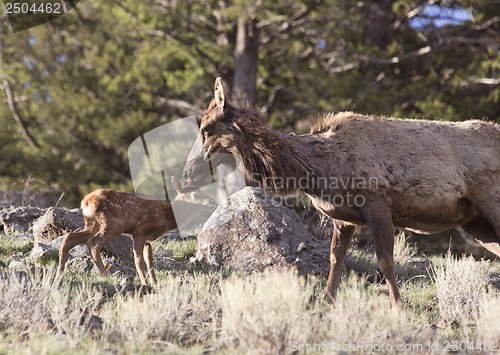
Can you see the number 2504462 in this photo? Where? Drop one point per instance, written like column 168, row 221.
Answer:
column 28, row 8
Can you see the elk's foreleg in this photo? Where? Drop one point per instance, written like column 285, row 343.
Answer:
column 148, row 256
column 96, row 244
column 140, row 265
column 341, row 240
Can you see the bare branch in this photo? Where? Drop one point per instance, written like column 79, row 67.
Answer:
column 486, row 24
column 10, row 97
column 418, row 9
column 270, row 21
column 270, row 100
column 483, row 81
column 17, row 117
column 181, row 105
column 207, row 22
column 394, row 60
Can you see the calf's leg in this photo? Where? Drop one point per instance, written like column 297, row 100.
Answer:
column 148, row 256
column 96, row 243
column 71, row 240
column 139, row 245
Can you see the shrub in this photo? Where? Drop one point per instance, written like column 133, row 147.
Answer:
column 265, row 312
column 181, row 310
column 361, row 321
column 403, row 251
column 460, row 286
column 488, row 324
column 34, row 304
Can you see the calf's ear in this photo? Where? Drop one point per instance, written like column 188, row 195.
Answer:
column 219, row 96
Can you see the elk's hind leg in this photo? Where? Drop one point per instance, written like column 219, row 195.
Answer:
column 482, row 230
column 71, row 240
column 486, row 227
column 341, row 240
column 379, row 218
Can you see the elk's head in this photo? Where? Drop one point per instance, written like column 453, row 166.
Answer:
column 219, row 134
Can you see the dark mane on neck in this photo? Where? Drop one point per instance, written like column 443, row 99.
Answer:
column 250, row 114
column 266, row 156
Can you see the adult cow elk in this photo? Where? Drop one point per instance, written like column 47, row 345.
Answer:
column 427, row 176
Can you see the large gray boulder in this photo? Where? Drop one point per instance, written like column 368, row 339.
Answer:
column 56, row 222
column 252, row 231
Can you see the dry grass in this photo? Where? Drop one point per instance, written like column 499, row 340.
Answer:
column 488, row 324
column 279, row 312
column 272, row 312
column 461, row 285
column 182, row 310
column 42, row 303
column 362, row 322
column 265, row 312
column 403, row 251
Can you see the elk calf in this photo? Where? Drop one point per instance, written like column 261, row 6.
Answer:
column 109, row 213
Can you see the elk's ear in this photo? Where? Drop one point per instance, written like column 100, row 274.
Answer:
column 219, row 95
column 177, row 184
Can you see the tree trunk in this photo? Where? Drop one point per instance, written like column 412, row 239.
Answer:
column 377, row 29
column 245, row 61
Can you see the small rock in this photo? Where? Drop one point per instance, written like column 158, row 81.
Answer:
column 126, row 281
column 94, row 323
column 175, row 236
column 132, row 290
column 119, row 269
column 81, row 264
column 108, row 291
column 20, row 265
column 91, row 322
column 41, row 253
column 48, row 325
column 18, row 220
column 121, row 248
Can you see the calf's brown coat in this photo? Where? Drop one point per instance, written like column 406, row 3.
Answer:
column 109, row 213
